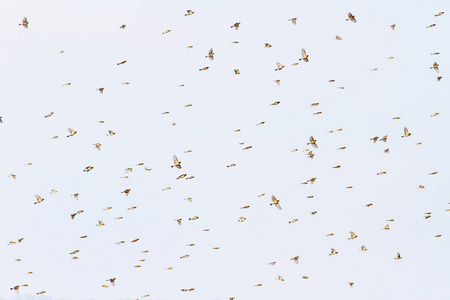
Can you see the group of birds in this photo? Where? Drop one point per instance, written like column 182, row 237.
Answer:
column 176, row 165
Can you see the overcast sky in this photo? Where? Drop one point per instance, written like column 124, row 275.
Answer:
column 163, row 76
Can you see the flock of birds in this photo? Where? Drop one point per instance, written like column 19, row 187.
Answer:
column 310, row 146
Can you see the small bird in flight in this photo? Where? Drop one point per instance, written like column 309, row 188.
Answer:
column 24, row 23
column 351, row 17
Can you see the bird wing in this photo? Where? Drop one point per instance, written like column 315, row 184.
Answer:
column 406, row 131
column 175, row 160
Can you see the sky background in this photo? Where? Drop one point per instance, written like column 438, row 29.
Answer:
column 31, row 83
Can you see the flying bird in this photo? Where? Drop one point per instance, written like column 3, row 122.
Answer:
column 176, row 162
column 351, row 17
column 24, row 23
column 304, row 55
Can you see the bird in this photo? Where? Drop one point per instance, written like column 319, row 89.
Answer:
column 363, row 248
column 126, row 192
column 351, row 284
column 236, row 72
column 122, row 62
column 275, row 103
column 312, row 142
column 97, row 145
column 430, row 26
column 210, row 54
column 439, row 14
column 333, row 252
column 393, row 26
column 435, row 66
column 100, row 90
column 267, row 45
column 374, row 139
column 24, row 22
column 278, row 81
column 123, row 26
column 293, row 221
column 295, row 259
column 203, row 69
column 246, row 148
column 71, row 132
column 38, row 198
column 40, row 293
column 386, row 227
column 176, row 162
column 304, row 55
column 407, row 133
column 398, row 256
column 178, row 221
column 275, row 202
column 16, row 289
column 48, row 115
column 75, row 196
column 100, row 223
column 351, row 17
column 384, row 139
column 280, row 66
column 167, row 31
column 87, row 169
column 352, row 235
column 189, row 12
column 236, row 25
column 280, row 278
column 338, row 38
column 293, row 20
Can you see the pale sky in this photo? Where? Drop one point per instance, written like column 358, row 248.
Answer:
column 32, row 81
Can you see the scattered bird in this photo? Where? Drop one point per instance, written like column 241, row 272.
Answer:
column 304, row 56
column 293, row 20
column 236, row 25
column 351, row 17
column 24, row 23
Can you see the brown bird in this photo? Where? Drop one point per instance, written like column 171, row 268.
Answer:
column 203, row 69
column 295, row 259
column 407, row 133
column 333, row 252
column 38, row 198
column 304, row 56
column 293, row 20
column 280, row 66
column 100, row 90
column 435, row 66
column 236, row 25
column 275, row 202
column 24, row 23
column 398, row 256
column 122, row 62
column 176, row 162
column 123, row 26
column 393, row 26
column 351, row 17
column 312, row 142
column 71, row 132
column 210, row 54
